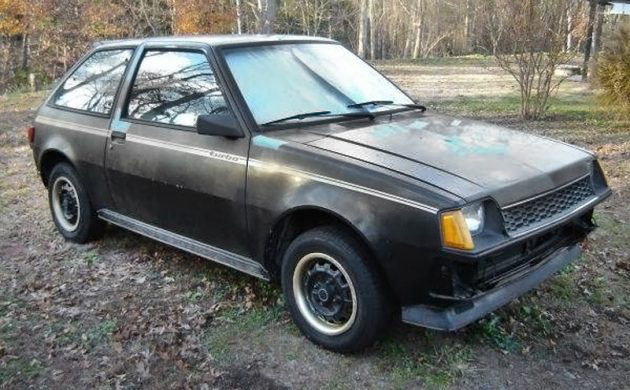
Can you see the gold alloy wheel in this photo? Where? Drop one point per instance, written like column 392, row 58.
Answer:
column 65, row 204
column 324, row 294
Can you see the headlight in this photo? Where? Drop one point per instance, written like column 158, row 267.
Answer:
column 474, row 216
column 458, row 226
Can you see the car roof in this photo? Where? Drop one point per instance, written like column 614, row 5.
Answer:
column 213, row 40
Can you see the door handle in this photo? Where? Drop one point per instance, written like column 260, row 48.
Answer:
column 118, row 138
column 119, row 135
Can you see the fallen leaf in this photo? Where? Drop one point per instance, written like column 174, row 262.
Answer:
column 117, row 347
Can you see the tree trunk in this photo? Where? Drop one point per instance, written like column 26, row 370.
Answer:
column 54, row 64
column 589, row 39
column 418, row 26
column 466, row 45
column 363, row 26
column 372, row 29
column 65, row 59
column 407, row 46
column 330, row 22
column 416, row 45
column 597, row 36
column 24, row 63
column 31, row 82
column 569, row 44
column 239, row 20
column 383, row 44
column 173, row 16
column 268, row 16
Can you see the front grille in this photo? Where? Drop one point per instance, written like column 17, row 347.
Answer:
column 514, row 259
column 538, row 211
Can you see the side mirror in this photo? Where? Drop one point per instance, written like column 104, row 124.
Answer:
column 223, row 124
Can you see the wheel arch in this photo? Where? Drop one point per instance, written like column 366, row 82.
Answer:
column 297, row 220
column 48, row 160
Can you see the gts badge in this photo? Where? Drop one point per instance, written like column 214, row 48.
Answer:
column 223, row 156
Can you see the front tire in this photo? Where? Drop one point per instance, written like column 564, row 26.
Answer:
column 70, row 205
column 334, row 294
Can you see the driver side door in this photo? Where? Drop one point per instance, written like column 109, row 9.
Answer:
column 160, row 170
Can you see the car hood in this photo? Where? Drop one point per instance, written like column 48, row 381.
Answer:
column 467, row 158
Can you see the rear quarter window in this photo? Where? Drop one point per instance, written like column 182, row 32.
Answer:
column 92, row 86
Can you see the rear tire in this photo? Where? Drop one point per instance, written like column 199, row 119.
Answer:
column 70, row 206
column 335, row 296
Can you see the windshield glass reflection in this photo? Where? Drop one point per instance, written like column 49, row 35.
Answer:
column 281, row 80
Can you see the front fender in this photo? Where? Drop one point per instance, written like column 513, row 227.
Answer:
column 397, row 221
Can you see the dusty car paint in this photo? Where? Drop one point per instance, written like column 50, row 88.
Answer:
column 467, row 158
column 388, row 179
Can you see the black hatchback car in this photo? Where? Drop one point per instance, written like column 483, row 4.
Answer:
column 290, row 158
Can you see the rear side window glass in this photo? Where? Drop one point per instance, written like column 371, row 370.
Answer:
column 174, row 87
column 92, row 86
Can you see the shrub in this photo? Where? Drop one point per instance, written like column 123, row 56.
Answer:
column 613, row 73
column 20, row 79
column 535, row 36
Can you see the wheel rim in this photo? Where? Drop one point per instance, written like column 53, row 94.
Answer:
column 65, row 204
column 324, row 294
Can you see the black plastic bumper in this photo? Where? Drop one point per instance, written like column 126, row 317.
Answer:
column 453, row 318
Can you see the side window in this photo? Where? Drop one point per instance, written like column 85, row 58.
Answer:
column 92, row 87
column 174, row 87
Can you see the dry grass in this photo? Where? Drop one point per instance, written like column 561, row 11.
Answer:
column 130, row 312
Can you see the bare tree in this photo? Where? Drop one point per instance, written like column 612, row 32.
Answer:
column 467, row 23
column 239, row 19
column 597, row 35
column 533, row 47
column 569, row 45
column 418, row 24
column 53, row 33
column 267, row 9
column 589, row 38
column 363, row 27
column 151, row 17
column 372, row 29
column 313, row 14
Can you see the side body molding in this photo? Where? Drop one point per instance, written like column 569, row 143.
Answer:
column 209, row 252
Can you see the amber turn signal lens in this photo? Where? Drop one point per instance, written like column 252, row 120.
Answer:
column 455, row 233
column 30, row 134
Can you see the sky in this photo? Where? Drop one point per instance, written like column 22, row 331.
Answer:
column 621, row 9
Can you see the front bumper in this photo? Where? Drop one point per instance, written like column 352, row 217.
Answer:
column 465, row 312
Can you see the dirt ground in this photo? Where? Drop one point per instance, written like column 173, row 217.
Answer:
column 127, row 312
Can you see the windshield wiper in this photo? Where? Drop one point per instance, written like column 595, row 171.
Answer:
column 297, row 116
column 387, row 103
column 371, row 103
column 360, row 114
column 325, row 114
column 413, row 105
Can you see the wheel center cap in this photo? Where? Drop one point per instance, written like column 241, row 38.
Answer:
column 322, row 294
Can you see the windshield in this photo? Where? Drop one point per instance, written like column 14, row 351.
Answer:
column 279, row 81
